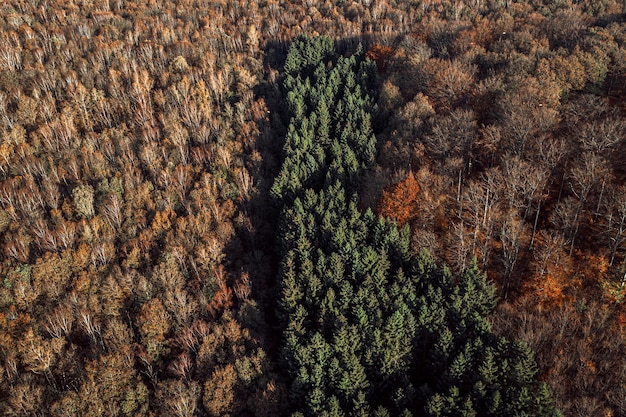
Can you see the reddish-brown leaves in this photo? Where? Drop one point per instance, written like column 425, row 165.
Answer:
column 399, row 202
column 380, row 54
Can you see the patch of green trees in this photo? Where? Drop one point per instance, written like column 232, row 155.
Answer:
column 368, row 327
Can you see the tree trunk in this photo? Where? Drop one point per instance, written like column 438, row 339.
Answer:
column 595, row 215
column 532, row 237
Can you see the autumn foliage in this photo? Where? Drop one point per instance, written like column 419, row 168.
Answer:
column 381, row 54
column 139, row 140
column 399, row 202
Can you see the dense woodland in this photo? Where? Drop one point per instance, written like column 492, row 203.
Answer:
column 208, row 209
column 368, row 328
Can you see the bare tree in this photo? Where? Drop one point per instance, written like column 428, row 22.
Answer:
column 525, row 188
column 583, row 178
column 451, row 139
column 480, row 208
column 513, row 236
column 459, row 246
column 614, row 221
column 549, row 253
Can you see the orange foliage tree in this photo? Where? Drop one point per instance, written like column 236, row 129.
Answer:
column 381, row 55
column 399, row 202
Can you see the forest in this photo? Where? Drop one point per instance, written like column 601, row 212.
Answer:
column 313, row 208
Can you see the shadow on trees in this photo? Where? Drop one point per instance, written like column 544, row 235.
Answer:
column 251, row 252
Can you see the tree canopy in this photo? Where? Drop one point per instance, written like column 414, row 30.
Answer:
column 370, row 328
